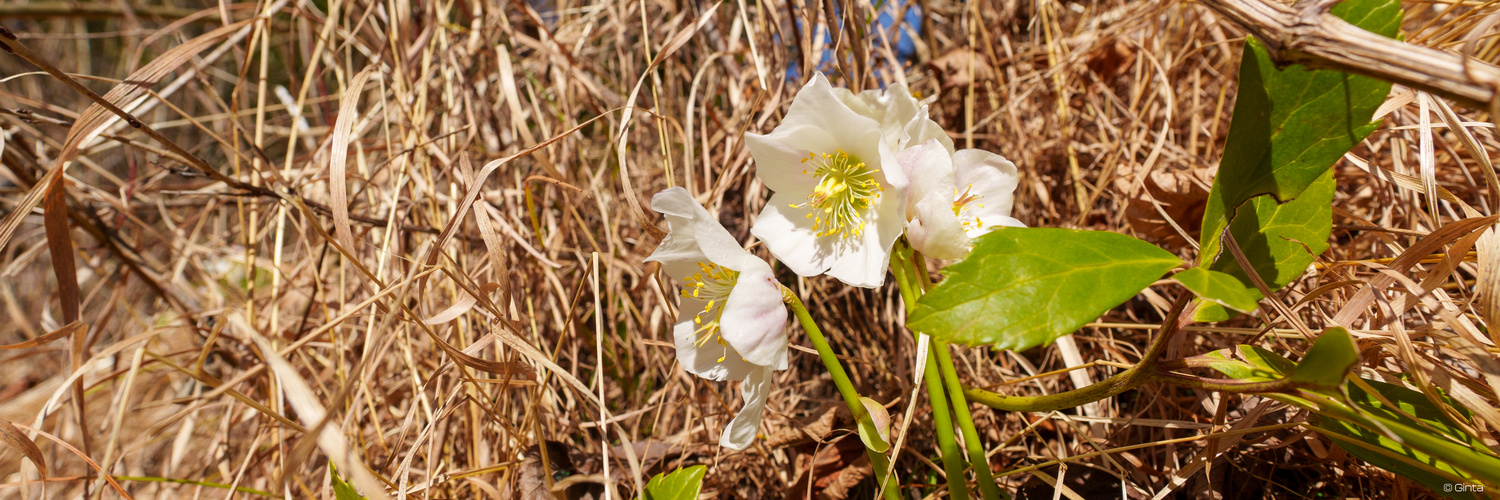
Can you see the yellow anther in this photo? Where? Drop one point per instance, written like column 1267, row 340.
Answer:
column 845, row 192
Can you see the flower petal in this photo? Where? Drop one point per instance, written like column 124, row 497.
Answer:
column 988, row 175
column 994, row 180
column 705, row 360
column 936, row 231
column 741, row 431
column 790, row 236
column 930, row 169
column 818, row 107
column 754, row 319
column 921, row 129
column 688, row 219
column 863, row 262
column 778, row 164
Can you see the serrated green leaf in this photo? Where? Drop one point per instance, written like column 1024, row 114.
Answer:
column 341, row 489
column 1279, row 239
column 680, row 484
column 1328, row 361
column 1023, row 287
column 1223, row 289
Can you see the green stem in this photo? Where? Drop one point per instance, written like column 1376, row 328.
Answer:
column 981, row 463
column 1142, row 372
column 977, row 458
column 878, row 461
column 953, row 464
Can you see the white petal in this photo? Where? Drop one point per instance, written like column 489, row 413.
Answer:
column 688, row 216
column 818, row 107
column 741, row 431
column 930, row 170
column 790, row 236
column 988, row 175
column 940, row 234
column 703, row 360
column 778, row 164
column 863, row 262
column 921, row 129
column 754, row 319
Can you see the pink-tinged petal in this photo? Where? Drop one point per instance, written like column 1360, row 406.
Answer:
column 940, row 234
column 930, row 170
column 921, row 129
column 789, row 234
column 686, row 215
column 754, row 319
column 741, row 431
column 710, row 360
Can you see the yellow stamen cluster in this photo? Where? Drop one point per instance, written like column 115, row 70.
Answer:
column 961, row 204
column 846, row 190
column 714, row 283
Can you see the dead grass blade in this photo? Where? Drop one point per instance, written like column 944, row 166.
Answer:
column 339, row 156
column 48, row 337
column 92, row 121
column 18, row 440
column 1450, row 232
column 311, row 411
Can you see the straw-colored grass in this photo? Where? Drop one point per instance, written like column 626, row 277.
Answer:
column 474, row 294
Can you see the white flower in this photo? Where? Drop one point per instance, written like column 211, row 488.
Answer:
column 955, row 197
column 737, row 330
column 838, row 206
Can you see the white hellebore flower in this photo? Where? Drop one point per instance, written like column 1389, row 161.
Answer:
column 832, row 163
column 737, row 330
column 955, row 197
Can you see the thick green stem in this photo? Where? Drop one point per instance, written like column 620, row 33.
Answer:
column 977, row 458
column 878, row 461
column 953, row 464
column 982, row 474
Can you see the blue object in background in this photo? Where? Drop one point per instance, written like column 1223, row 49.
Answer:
column 906, row 47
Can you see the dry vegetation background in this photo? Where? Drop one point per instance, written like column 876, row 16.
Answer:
column 223, row 322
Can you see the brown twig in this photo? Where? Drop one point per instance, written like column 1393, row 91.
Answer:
column 1306, row 33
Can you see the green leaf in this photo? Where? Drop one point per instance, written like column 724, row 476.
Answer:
column 875, row 428
column 1260, row 364
column 1413, row 403
column 681, row 484
column 1279, row 239
column 341, row 489
column 1221, row 288
column 1290, row 126
column 1024, row 287
column 1328, row 361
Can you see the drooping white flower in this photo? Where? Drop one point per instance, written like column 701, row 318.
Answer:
column 838, row 206
column 732, row 324
column 955, row 197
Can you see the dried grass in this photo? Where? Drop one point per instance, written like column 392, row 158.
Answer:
column 448, row 326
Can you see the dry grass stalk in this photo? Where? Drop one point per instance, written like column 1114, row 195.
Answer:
column 342, row 268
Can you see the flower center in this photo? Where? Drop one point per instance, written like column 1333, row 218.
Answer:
column 846, row 189
column 712, row 282
column 962, row 202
